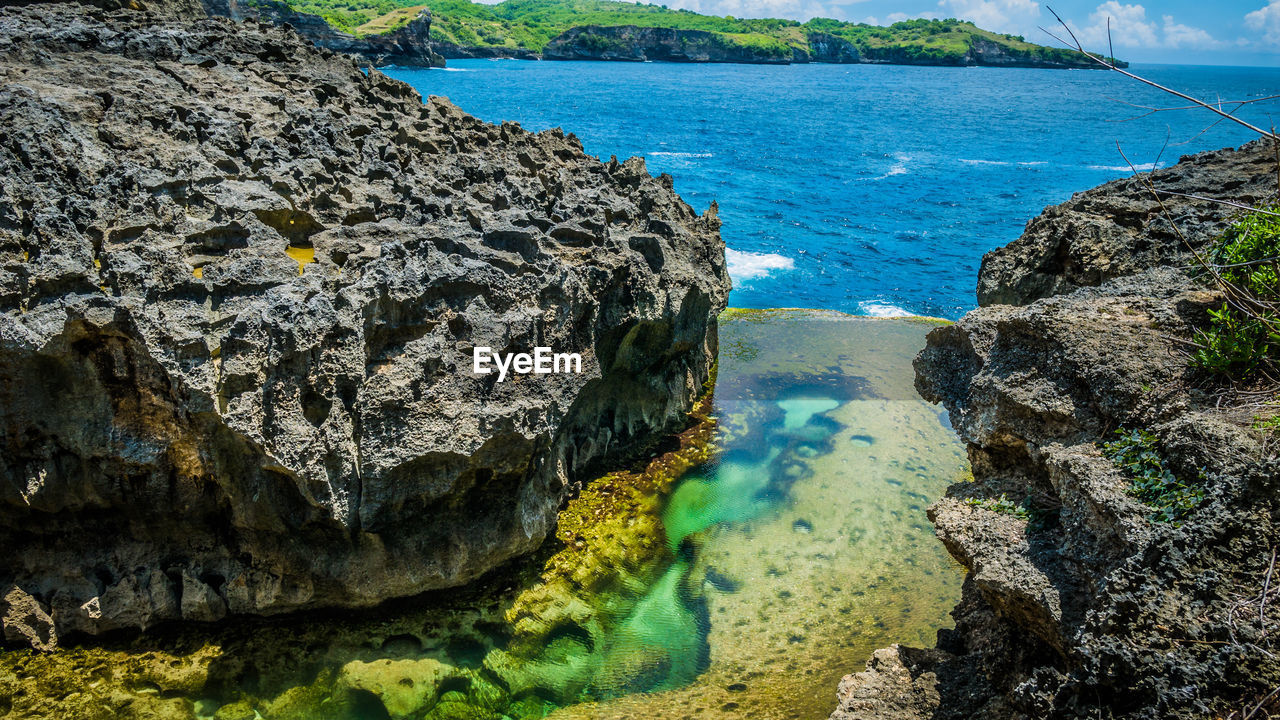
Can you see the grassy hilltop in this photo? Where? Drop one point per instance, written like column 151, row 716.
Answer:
column 531, row 24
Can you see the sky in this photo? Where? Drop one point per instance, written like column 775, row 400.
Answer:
column 1191, row 32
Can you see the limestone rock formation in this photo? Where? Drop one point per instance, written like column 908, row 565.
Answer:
column 240, row 284
column 1084, row 605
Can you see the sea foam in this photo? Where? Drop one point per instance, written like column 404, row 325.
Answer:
column 875, row 308
column 750, row 266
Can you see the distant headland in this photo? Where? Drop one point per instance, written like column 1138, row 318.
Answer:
column 407, row 32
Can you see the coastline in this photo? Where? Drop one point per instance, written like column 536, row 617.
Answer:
column 249, row 473
column 411, row 45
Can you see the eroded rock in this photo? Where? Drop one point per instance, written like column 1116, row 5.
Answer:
column 240, row 284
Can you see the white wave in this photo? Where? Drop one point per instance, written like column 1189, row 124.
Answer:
column 1031, row 163
column 898, row 168
column 875, row 308
column 749, row 265
column 449, row 69
column 680, row 154
column 1143, row 167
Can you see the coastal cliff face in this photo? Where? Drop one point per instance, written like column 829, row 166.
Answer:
column 642, row 44
column 630, row 43
column 240, row 285
column 1084, row 605
column 409, row 45
column 450, row 51
column 980, row 52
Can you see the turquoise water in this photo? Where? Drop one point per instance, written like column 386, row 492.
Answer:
column 803, row 545
column 867, row 189
column 662, row 644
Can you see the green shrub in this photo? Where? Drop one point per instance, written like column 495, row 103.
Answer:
column 1136, row 453
column 1236, row 343
column 1002, row 505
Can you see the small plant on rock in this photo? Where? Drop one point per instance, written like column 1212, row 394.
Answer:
column 1002, row 505
column 1150, row 480
column 1244, row 334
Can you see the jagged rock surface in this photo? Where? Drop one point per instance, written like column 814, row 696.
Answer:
column 1088, row 607
column 197, row 420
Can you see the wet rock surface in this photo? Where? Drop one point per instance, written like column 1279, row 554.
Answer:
column 240, row 284
column 1080, row 604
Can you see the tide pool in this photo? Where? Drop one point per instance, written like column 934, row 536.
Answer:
column 747, row 567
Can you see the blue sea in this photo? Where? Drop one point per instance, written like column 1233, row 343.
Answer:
column 868, row 189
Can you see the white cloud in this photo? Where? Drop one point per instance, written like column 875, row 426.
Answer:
column 1018, row 17
column 1177, row 35
column 1266, row 20
column 1007, row 16
column 1130, row 27
column 897, row 17
column 799, row 9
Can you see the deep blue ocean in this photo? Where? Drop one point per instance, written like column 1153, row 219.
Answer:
column 863, row 188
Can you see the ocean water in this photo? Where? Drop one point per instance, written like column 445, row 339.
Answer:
column 868, row 189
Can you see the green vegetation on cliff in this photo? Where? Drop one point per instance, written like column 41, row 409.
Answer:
column 1244, row 334
column 531, row 24
column 1137, row 454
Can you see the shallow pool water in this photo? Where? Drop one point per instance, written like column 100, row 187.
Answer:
column 811, row 525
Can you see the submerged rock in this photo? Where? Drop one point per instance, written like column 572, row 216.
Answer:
column 240, row 285
column 1077, row 601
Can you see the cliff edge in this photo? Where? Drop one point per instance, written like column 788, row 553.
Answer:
column 241, row 281
column 1078, row 602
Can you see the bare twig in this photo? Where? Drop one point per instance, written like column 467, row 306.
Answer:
column 1235, row 296
column 1231, row 203
column 1150, row 110
column 1192, row 107
column 1109, row 64
column 1266, row 588
column 1261, row 702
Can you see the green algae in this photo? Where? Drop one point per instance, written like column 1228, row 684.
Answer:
column 737, row 575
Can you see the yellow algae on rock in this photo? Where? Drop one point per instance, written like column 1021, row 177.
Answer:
column 405, row 687
column 303, row 255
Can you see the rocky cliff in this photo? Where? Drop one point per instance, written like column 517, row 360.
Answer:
column 408, row 45
column 240, row 284
column 1081, row 604
column 980, row 52
column 642, row 44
